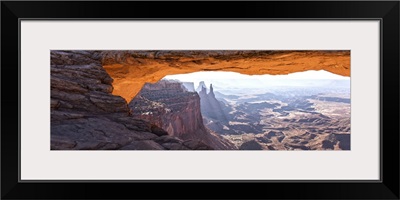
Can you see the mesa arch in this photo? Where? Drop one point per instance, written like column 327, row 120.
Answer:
column 132, row 69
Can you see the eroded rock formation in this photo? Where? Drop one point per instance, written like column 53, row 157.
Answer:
column 90, row 90
column 211, row 108
column 85, row 115
column 131, row 69
column 170, row 106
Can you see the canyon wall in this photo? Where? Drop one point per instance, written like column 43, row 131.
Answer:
column 90, row 91
column 170, row 106
column 85, row 115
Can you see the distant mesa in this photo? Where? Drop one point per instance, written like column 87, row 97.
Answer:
column 210, row 106
column 201, row 86
column 189, row 86
column 90, row 92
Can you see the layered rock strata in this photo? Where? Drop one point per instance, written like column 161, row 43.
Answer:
column 170, row 106
column 85, row 115
column 132, row 69
column 90, row 90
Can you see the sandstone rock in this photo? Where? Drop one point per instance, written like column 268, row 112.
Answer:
column 59, row 142
column 90, row 90
column 278, row 134
column 86, row 116
column 74, row 57
column 175, row 146
column 251, row 145
column 296, row 147
column 54, row 103
column 197, row 145
column 94, row 133
column 158, row 131
column 60, row 115
column 264, row 140
column 131, row 69
column 326, row 144
column 171, row 107
column 210, row 107
column 171, row 143
column 143, row 145
column 168, row 139
column 344, row 141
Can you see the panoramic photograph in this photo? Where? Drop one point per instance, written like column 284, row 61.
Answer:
column 200, row 100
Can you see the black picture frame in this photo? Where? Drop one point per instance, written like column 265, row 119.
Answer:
column 386, row 11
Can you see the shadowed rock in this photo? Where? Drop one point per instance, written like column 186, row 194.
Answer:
column 344, row 141
column 210, row 106
column 143, row 145
column 326, row 144
column 85, row 115
column 170, row 106
column 251, row 145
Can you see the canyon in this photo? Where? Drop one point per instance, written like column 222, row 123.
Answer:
column 97, row 97
column 85, row 115
column 290, row 118
column 175, row 109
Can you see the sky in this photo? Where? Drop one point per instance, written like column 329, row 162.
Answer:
column 219, row 75
column 226, row 80
column 307, row 75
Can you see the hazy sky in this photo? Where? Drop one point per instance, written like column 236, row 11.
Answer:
column 230, row 79
column 312, row 74
column 233, row 80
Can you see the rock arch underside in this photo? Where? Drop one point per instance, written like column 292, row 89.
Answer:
column 131, row 69
column 91, row 90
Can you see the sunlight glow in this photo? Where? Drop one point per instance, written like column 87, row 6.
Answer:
column 312, row 74
column 233, row 79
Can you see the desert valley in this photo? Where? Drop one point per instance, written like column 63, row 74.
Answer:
column 290, row 118
column 99, row 103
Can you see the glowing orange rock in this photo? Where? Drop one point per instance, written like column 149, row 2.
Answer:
column 131, row 69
